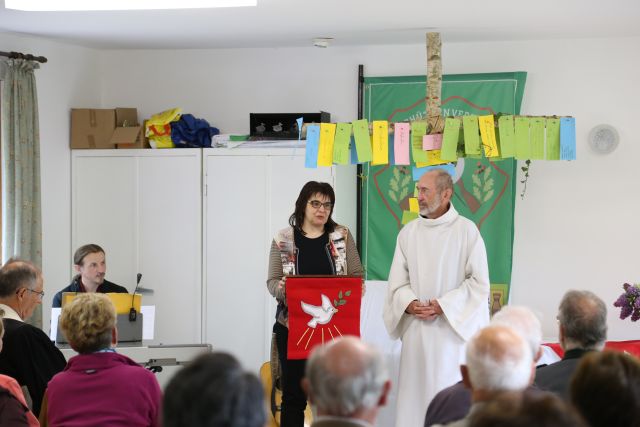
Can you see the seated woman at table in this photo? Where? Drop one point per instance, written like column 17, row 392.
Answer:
column 99, row 386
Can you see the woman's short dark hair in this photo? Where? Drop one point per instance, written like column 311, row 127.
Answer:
column 214, row 391
column 531, row 408
column 606, row 389
column 308, row 190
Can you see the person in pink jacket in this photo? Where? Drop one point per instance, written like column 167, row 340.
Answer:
column 99, row 386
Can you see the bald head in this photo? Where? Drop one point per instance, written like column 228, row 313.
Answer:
column 498, row 359
column 345, row 377
column 441, row 178
column 583, row 321
column 523, row 321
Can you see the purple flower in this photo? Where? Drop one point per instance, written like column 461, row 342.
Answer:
column 621, row 301
column 629, row 302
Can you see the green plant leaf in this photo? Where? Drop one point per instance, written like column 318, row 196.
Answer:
column 487, row 173
column 335, row 303
column 348, row 293
column 392, row 196
column 488, row 196
column 403, row 193
column 396, row 173
column 488, row 184
column 476, row 193
column 340, row 295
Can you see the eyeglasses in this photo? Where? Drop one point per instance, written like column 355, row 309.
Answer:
column 41, row 293
column 316, row 204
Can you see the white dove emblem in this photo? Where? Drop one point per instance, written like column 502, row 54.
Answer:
column 319, row 314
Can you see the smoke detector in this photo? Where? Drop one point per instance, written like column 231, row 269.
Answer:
column 323, row 42
column 603, row 139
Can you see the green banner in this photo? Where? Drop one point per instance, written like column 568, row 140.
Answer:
column 484, row 190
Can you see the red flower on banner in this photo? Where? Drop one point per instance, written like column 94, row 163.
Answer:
column 314, row 316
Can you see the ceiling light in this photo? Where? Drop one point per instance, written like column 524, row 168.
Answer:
column 323, row 42
column 68, row 5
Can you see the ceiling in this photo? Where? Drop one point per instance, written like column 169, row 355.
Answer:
column 287, row 23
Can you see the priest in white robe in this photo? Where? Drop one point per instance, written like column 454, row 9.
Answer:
column 437, row 296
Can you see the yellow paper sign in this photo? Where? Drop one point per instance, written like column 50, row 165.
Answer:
column 413, row 205
column 433, row 158
column 325, row 150
column 488, row 135
column 380, row 142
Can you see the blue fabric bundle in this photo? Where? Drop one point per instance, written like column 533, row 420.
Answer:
column 189, row 132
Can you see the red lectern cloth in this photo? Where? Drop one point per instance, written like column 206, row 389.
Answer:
column 321, row 308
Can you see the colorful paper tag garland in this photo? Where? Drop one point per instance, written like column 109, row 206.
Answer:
column 522, row 137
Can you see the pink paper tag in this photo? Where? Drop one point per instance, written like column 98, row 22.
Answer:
column 432, row 142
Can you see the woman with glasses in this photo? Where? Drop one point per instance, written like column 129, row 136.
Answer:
column 312, row 244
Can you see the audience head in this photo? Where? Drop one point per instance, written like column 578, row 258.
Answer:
column 347, row 378
column 84, row 250
column 526, row 409
column 435, row 189
column 498, row 359
column 90, row 263
column 522, row 320
column 89, row 322
column 311, row 191
column 606, row 389
column 21, row 286
column 214, row 391
column 583, row 321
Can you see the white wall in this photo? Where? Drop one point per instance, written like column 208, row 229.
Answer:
column 574, row 229
column 576, row 226
column 68, row 79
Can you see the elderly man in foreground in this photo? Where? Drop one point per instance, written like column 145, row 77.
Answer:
column 499, row 360
column 347, row 381
column 29, row 356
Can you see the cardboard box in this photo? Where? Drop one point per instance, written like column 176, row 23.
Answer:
column 92, row 128
column 128, row 133
column 106, row 128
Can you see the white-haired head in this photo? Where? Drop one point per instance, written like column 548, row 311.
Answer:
column 498, row 359
column 346, row 376
column 522, row 320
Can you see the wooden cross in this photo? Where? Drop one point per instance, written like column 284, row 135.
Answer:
column 435, row 120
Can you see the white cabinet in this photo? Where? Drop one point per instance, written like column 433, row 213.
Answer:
column 198, row 225
column 144, row 207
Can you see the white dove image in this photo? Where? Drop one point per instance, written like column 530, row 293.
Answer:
column 319, row 315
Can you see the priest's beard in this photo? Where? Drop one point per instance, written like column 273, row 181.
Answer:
column 426, row 210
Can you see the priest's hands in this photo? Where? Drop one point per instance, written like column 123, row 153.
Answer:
column 424, row 310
